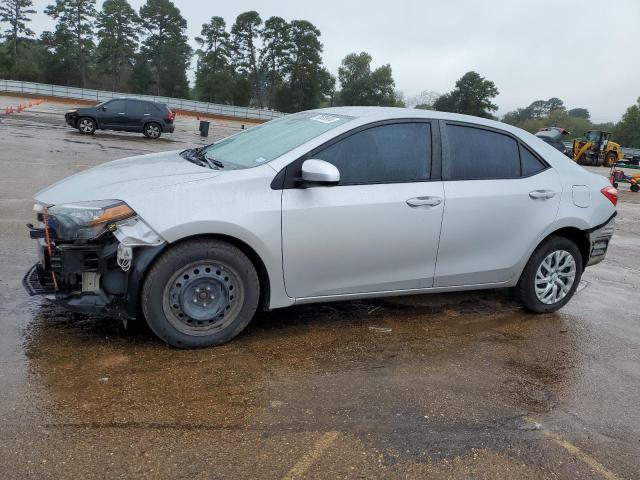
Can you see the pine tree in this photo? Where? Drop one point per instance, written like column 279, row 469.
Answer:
column 16, row 13
column 118, row 26
column 214, row 76
column 166, row 48
column 72, row 39
column 274, row 55
column 245, row 32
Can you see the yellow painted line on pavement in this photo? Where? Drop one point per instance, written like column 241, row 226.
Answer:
column 577, row 452
column 309, row 458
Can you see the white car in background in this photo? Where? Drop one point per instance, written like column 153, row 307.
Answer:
column 332, row 204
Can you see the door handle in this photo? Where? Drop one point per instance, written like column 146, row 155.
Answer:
column 424, row 202
column 542, row 194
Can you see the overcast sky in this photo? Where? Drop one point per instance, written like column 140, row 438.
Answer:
column 582, row 51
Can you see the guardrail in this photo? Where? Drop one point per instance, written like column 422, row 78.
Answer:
column 60, row 91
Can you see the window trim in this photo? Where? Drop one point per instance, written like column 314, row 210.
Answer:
column 289, row 177
column 446, row 150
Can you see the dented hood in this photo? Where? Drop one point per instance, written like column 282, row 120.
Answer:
column 121, row 179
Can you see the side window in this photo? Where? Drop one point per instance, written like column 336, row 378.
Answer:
column 136, row 107
column 116, row 106
column 530, row 163
column 476, row 153
column 392, row 153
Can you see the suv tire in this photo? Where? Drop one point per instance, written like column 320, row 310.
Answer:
column 152, row 130
column 87, row 125
column 200, row 293
column 551, row 276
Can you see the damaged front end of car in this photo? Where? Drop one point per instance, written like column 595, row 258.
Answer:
column 92, row 256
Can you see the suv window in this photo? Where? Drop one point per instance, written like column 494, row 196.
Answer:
column 480, row 154
column 398, row 152
column 116, row 106
column 137, row 107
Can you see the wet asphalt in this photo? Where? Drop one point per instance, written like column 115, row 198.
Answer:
column 461, row 386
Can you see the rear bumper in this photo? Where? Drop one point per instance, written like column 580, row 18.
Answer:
column 599, row 239
column 169, row 127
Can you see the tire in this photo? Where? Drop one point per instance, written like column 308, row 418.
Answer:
column 152, row 130
column 87, row 125
column 200, row 293
column 635, row 188
column 610, row 160
column 525, row 291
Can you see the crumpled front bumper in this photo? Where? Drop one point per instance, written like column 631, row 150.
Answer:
column 89, row 277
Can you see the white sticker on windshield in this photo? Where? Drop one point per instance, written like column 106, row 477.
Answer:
column 260, row 160
column 325, row 118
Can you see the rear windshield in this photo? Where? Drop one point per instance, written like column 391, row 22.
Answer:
column 270, row 140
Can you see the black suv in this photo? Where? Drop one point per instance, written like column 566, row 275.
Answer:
column 125, row 115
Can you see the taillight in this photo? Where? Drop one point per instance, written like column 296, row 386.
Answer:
column 611, row 193
column 172, row 116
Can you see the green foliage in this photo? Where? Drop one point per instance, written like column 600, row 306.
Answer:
column 72, row 39
column 16, row 13
column 118, row 27
column 472, row 95
column 362, row 86
column 166, row 48
column 274, row 55
column 214, row 74
column 245, row 33
column 627, row 131
column 579, row 113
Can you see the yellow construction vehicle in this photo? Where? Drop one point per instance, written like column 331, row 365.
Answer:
column 596, row 149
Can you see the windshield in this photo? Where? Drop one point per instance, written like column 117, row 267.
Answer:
column 270, row 140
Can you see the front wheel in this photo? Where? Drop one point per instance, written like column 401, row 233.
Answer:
column 551, row 276
column 635, row 188
column 200, row 293
column 87, row 125
column 152, row 130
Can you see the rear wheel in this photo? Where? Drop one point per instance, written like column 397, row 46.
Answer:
column 200, row 293
column 551, row 276
column 87, row 125
column 152, row 130
column 635, row 187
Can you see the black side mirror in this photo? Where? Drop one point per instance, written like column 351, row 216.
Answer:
column 104, row 109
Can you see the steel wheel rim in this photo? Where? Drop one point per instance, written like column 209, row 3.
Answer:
column 203, row 298
column 555, row 277
column 86, row 126
column 153, row 131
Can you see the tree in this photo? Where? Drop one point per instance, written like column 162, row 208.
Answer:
column 579, row 113
column 627, row 131
column 214, row 76
column 472, row 96
column 274, row 55
column 245, row 31
column 307, row 82
column 118, row 27
column 72, row 39
column 362, row 86
column 424, row 100
column 16, row 14
column 166, row 49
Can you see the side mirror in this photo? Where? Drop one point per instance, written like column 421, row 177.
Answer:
column 104, row 109
column 319, row 171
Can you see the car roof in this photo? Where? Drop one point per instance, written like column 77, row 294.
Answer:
column 372, row 114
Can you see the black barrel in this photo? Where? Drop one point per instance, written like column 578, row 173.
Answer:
column 204, row 128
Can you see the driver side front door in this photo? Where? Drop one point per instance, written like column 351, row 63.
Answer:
column 378, row 229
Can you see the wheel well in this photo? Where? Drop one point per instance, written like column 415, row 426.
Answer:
column 263, row 276
column 80, row 117
column 578, row 237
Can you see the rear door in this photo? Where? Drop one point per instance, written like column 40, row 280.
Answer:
column 500, row 198
column 375, row 231
column 137, row 112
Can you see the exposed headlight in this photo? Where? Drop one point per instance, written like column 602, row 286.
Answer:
column 85, row 220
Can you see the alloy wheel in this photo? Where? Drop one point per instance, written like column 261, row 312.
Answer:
column 153, row 131
column 555, row 277
column 86, row 125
